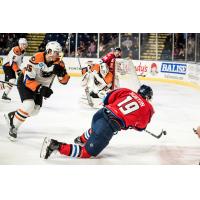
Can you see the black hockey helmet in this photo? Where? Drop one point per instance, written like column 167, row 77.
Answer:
column 117, row 49
column 145, row 91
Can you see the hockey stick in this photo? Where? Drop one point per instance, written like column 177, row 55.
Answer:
column 51, row 83
column 141, row 75
column 11, row 84
column 157, row 136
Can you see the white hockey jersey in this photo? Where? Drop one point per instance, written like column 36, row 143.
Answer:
column 14, row 58
column 38, row 73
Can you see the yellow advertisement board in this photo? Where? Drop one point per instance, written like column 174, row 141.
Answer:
column 1, row 61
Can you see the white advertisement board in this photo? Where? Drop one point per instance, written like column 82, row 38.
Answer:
column 176, row 72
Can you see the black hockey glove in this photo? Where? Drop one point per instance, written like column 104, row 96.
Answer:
column 19, row 71
column 44, row 91
column 59, row 71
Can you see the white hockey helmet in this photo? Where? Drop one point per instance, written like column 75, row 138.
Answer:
column 104, row 69
column 23, row 41
column 54, row 46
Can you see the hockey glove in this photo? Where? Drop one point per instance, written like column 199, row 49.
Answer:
column 19, row 71
column 44, row 91
column 59, row 71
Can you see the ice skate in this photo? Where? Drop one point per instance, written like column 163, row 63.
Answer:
column 5, row 98
column 78, row 141
column 48, row 146
column 12, row 129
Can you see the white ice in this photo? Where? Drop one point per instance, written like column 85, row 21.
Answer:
column 63, row 117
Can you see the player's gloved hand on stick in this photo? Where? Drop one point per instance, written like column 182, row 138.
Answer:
column 44, row 91
column 59, row 71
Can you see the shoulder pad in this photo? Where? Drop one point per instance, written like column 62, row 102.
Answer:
column 17, row 50
column 37, row 58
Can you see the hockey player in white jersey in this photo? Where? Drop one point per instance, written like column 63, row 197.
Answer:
column 35, row 82
column 11, row 66
column 97, row 81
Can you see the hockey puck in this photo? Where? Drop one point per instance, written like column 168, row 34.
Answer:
column 164, row 132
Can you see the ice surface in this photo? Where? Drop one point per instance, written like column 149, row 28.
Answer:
column 63, row 117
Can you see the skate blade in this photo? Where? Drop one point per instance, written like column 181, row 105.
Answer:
column 45, row 144
column 83, row 97
column 12, row 139
column 5, row 101
column 7, row 120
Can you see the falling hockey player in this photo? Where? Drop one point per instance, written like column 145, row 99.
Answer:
column 35, row 83
column 11, row 66
column 123, row 109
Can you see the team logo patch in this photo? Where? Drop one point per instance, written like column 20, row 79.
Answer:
column 91, row 145
column 33, row 58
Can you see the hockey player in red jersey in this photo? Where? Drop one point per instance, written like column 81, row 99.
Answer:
column 123, row 109
column 35, row 82
column 110, row 58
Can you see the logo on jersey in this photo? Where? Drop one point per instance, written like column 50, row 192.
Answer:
column 33, row 58
column 174, row 68
column 45, row 71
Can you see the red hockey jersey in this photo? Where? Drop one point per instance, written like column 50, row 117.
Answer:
column 109, row 59
column 128, row 106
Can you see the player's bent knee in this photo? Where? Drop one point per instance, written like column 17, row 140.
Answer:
column 28, row 106
column 35, row 110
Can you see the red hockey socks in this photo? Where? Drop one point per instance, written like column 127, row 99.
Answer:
column 74, row 150
column 85, row 136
